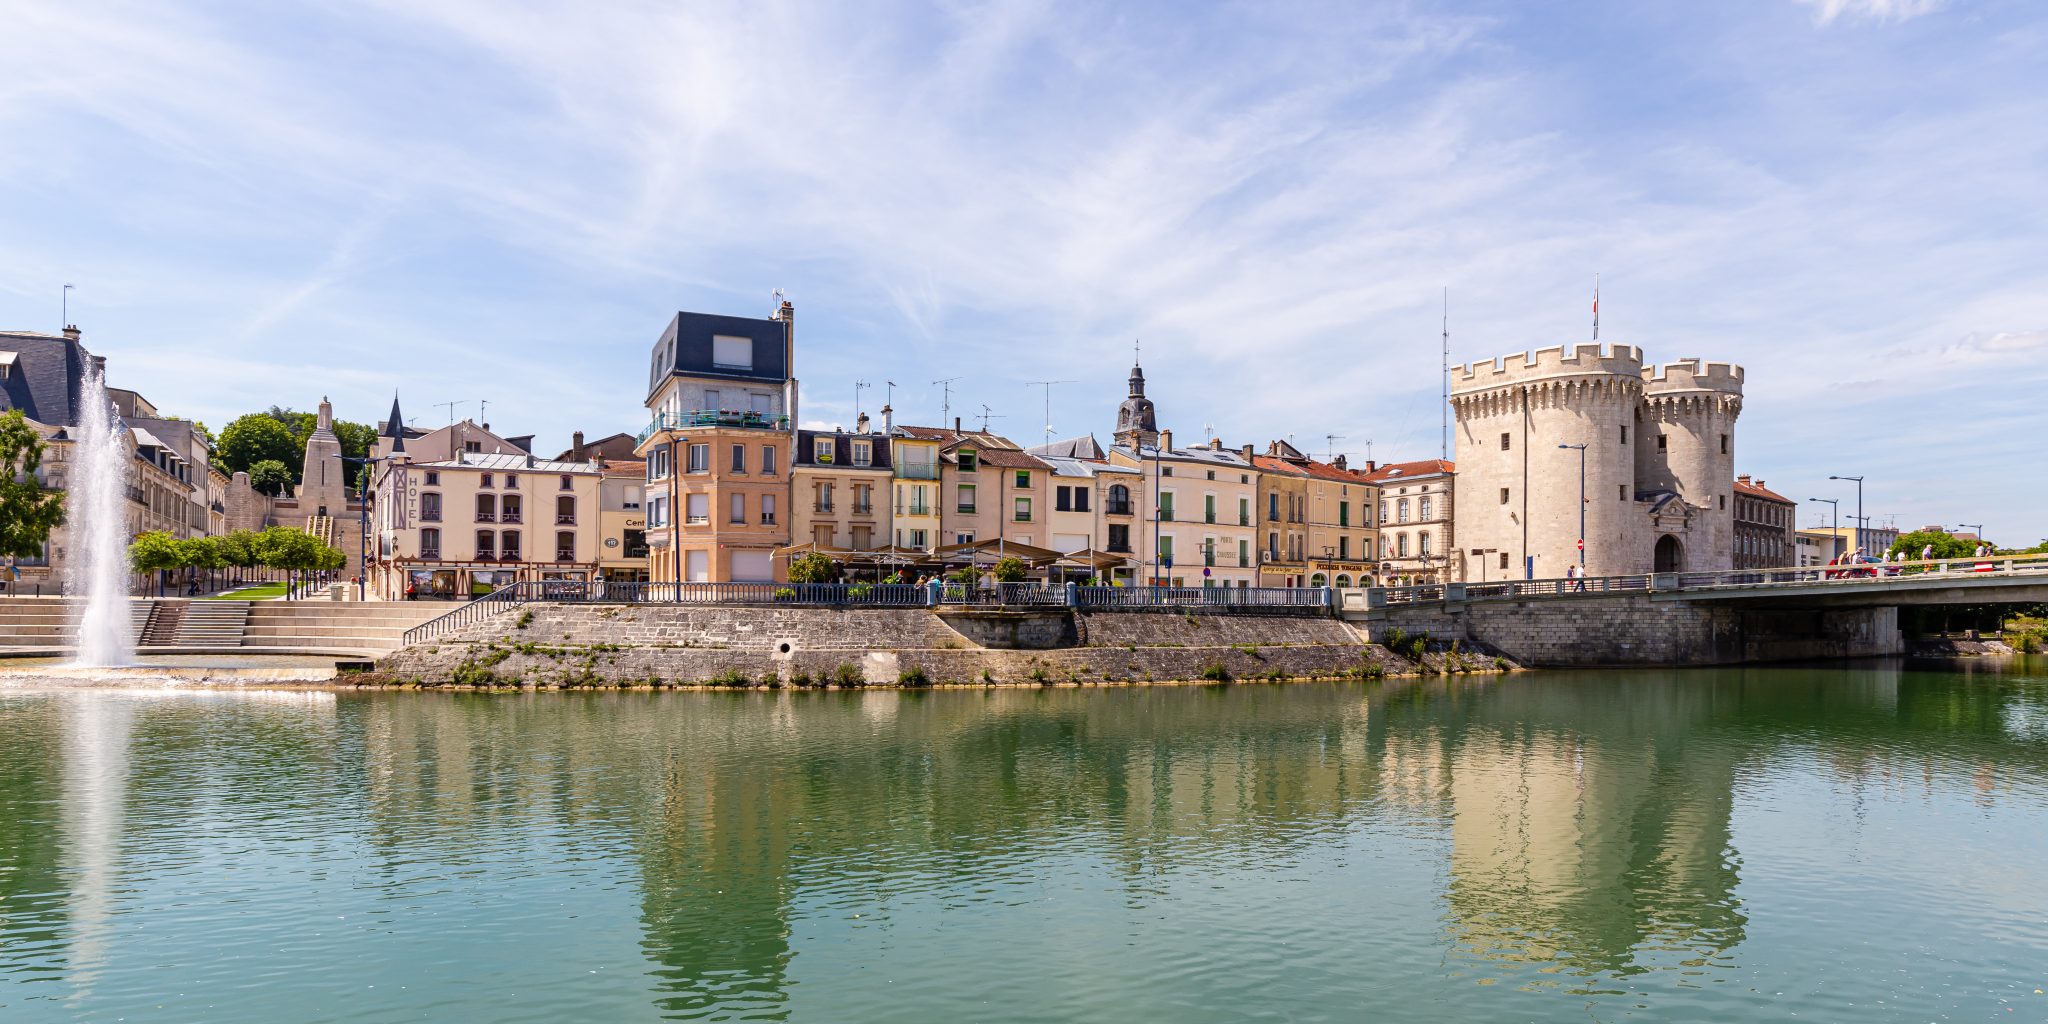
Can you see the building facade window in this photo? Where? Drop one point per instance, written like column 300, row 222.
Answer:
column 430, row 506
column 739, row 458
column 486, row 508
column 430, row 543
column 565, row 509
column 700, row 458
column 767, row 510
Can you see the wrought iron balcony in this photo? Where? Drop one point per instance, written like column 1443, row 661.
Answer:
column 708, row 418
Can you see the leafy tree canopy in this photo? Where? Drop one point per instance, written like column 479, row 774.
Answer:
column 256, row 438
column 239, row 548
column 812, row 568
column 155, row 550
column 1008, row 569
column 1946, row 545
column 270, row 477
column 28, row 510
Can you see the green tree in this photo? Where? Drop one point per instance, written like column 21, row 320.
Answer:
column 297, row 551
column 1008, row 569
column 155, row 553
column 255, row 438
column 28, row 510
column 203, row 553
column 238, row 549
column 1946, row 545
column 270, row 477
column 814, row 567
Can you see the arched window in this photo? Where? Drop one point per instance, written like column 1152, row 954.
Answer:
column 1119, row 500
column 1317, row 580
column 1343, row 580
column 565, row 509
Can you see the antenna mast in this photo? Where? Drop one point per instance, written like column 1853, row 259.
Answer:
column 450, row 406
column 986, row 416
column 1330, row 441
column 946, row 402
column 858, row 387
column 1047, row 385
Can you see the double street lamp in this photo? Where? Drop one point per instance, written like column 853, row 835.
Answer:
column 1834, row 516
column 1582, row 505
column 1859, row 510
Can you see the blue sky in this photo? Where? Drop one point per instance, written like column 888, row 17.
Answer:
column 467, row 200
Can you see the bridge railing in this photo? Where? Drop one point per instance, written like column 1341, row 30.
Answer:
column 1863, row 573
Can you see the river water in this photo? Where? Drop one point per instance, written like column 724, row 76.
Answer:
column 1866, row 843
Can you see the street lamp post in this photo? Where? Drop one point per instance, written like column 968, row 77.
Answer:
column 363, row 522
column 1582, row 505
column 1834, row 515
column 1859, row 510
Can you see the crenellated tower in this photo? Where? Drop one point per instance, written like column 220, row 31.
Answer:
column 1659, row 461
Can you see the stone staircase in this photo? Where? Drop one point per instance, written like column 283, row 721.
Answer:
column 322, row 529
column 342, row 627
column 213, row 624
column 157, row 623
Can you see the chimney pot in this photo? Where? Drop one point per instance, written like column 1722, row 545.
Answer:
column 1339, row 463
column 71, row 331
column 956, row 424
column 1166, row 440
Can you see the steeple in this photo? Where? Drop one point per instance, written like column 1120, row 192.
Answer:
column 394, row 427
column 1137, row 424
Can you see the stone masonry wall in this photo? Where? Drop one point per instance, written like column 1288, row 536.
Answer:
column 574, row 645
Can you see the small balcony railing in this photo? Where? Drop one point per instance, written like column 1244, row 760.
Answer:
column 767, row 519
column 509, row 517
column 434, row 553
column 1166, row 515
column 1244, row 519
column 486, row 517
column 509, row 555
column 822, row 507
column 486, row 556
column 863, row 509
column 568, row 519
column 965, row 510
column 1023, row 517
column 1117, row 508
column 430, row 517
column 1208, row 517
column 1119, row 549
column 918, row 471
column 711, row 418
column 565, row 554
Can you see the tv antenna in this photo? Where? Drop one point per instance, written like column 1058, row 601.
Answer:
column 450, row 406
column 986, row 416
column 858, row 387
column 945, row 402
column 1047, row 385
column 66, row 307
column 483, row 414
column 1330, row 441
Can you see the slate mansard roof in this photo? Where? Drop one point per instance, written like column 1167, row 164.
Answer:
column 685, row 349
column 43, row 377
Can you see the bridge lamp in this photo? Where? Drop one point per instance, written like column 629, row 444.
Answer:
column 1859, row 509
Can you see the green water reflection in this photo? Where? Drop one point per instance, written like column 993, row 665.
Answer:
column 1861, row 843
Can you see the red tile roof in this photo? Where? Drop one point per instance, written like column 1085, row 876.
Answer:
column 1758, row 490
column 1406, row 470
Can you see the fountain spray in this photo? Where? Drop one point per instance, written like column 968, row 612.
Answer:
column 96, row 510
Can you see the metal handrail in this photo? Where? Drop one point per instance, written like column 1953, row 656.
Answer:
column 1848, row 575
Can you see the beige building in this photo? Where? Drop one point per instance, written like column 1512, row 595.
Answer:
column 1418, row 538
column 1315, row 521
column 1094, row 511
column 989, row 488
column 622, row 520
column 1765, row 524
column 840, row 482
column 722, row 397
column 915, row 519
column 1205, row 495
column 466, row 526
column 1658, row 446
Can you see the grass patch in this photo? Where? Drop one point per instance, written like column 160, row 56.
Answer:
column 259, row 592
column 1215, row 672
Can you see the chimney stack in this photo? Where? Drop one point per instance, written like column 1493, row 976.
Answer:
column 1215, row 444
column 576, row 446
column 1166, row 440
column 888, row 420
column 71, row 331
column 1370, row 465
column 1339, row 462
column 1247, row 452
column 860, row 426
column 956, row 424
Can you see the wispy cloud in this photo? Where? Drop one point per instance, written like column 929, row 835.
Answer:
column 1825, row 12
column 506, row 200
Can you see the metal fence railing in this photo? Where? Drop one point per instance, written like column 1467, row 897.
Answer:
column 1201, row 597
column 1849, row 575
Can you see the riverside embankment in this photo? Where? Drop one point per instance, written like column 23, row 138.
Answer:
column 607, row 645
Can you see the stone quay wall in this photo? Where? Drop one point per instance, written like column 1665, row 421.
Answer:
column 572, row 645
column 1633, row 629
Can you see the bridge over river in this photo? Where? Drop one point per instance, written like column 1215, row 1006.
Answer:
column 1697, row 617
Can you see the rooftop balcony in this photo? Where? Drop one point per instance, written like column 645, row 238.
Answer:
column 708, row 418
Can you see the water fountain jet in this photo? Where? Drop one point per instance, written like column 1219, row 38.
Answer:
column 103, row 634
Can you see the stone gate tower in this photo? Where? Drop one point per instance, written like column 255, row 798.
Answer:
column 1659, row 462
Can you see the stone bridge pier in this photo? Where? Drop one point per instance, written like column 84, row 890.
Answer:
column 1638, row 628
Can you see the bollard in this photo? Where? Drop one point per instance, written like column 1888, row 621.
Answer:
column 932, row 589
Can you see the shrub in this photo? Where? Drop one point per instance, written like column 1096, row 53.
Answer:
column 1395, row 638
column 987, row 676
column 846, row 673
column 525, row 619
column 1010, row 569
column 1215, row 672
column 1373, row 670
column 785, row 594
column 800, row 678
column 1417, row 647
column 1037, row 675
column 730, row 677
column 1500, row 664
column 1248, row 650
column 860, row 591
column 814, row 567
column 913, row 676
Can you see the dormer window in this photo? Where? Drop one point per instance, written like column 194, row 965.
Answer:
column 969, row 460
column 821, row 449
column 863, row 453
column 732, row 353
